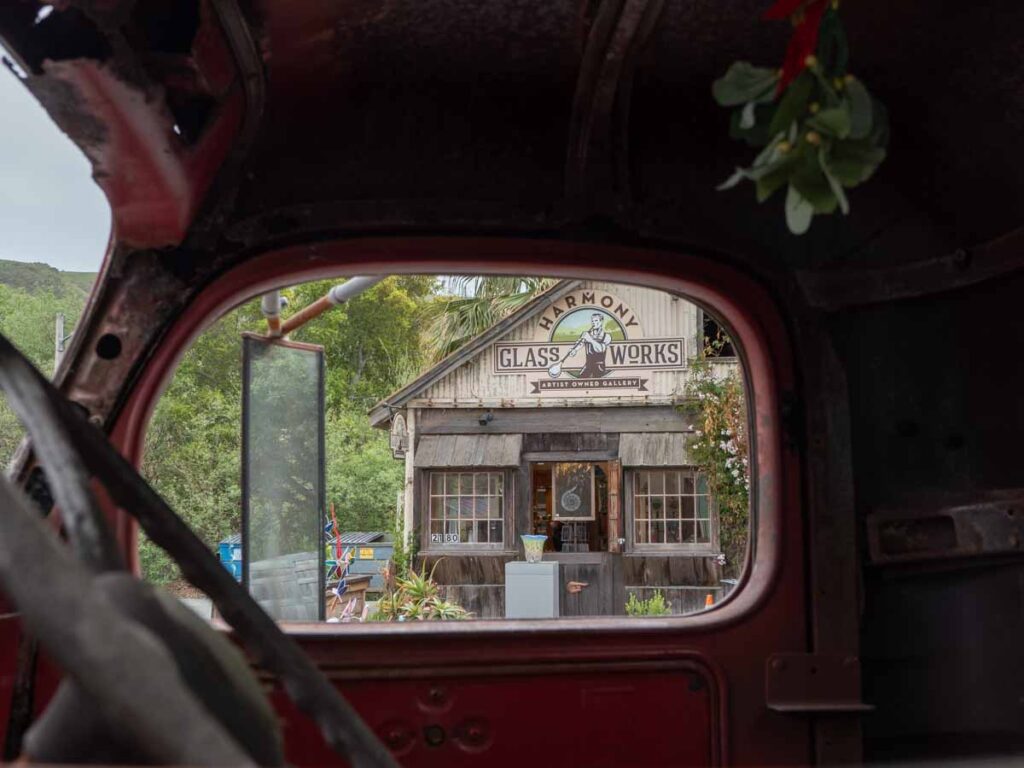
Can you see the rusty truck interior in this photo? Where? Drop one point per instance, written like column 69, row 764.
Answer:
column 244, row 146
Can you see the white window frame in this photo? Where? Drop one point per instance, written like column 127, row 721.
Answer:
column 632, row 484
column 429, row 546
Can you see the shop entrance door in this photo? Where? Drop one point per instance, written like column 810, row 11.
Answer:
column 577, row 505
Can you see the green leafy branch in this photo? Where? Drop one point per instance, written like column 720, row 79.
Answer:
column 820, row 135
column 720, row 448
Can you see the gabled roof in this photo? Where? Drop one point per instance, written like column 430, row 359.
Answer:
column 380, row 414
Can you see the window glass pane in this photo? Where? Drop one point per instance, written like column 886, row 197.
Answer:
column 703, row 507
column 496, row 532
column 480, row 506
column 451, row 483
column 480, row 484
column 481, row 531
column 436, row 483
column 466, row 485
column 436, row 526
column 688, row 532
column 658, row 508
column 643, row 482
column 451, row 507
column 657, row 532
column 704, row 532
column 466, row 532
column 687, row 482
column 643, row 508
column 451, row 527
column 671, row 482
column 466, row 506
column 641, row 533
column 672, row 507
column 688, row 507
column 494, row 506
column 672, row 532
column 702, row 484
column 657, row 480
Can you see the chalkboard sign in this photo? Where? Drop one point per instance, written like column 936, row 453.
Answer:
column 573, row 491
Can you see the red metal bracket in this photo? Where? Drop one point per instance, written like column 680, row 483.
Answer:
column 805, row 682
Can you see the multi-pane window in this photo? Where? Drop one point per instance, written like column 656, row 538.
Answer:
column 466, row 508
column 671, row 507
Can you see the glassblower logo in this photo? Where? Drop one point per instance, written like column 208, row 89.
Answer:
column 583, row 342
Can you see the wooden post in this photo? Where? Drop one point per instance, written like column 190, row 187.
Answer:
column 408, row 528
column 615, row 529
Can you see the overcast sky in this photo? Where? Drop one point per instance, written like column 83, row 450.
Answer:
column 50, row 208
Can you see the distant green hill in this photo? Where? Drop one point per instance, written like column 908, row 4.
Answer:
column 38, row 278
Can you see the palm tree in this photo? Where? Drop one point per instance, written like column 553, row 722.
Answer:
column 475, row 304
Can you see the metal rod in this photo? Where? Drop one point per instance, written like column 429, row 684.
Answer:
column 271, row 308
column 339, row 294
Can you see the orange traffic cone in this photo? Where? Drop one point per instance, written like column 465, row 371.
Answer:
column 709, row 601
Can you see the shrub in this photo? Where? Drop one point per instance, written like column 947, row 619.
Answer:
column 653, row 606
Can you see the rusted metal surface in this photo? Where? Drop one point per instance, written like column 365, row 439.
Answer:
column 989, row 526
column 819, row 683
column 441, row 118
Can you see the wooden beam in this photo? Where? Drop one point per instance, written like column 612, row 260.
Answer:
column 441, row 421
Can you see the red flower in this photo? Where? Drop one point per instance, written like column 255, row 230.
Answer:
column 804, row 41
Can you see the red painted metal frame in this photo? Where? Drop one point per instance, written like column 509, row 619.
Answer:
column 153, row 182
column 766, row 614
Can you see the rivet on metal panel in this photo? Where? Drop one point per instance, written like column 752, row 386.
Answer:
column 397, row 736
column 473, row 735
column 436, row 699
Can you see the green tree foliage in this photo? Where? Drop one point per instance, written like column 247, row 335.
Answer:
column 476, row 303
column 372, row 346
column 27, row 318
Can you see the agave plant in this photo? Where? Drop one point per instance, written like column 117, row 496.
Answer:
column 415, row 597
column 445, row 610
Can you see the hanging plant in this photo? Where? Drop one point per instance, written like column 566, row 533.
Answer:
column 820, row 130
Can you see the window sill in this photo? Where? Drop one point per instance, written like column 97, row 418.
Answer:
column 671, row 550
column 469, row 551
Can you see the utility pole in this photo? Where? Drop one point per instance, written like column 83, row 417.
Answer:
column 58, row 341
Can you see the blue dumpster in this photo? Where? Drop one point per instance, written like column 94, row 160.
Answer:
column 230, row 551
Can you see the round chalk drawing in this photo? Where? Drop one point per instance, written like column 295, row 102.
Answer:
column 571, row 500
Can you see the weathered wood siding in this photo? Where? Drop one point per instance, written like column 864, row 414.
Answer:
column 660, row 314
column 476, row 582
column 674, row 570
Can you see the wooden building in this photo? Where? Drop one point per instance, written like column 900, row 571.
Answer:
column 567, row 418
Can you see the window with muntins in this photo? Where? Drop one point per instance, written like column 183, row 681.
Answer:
column 466, row 508
column 671, row 507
